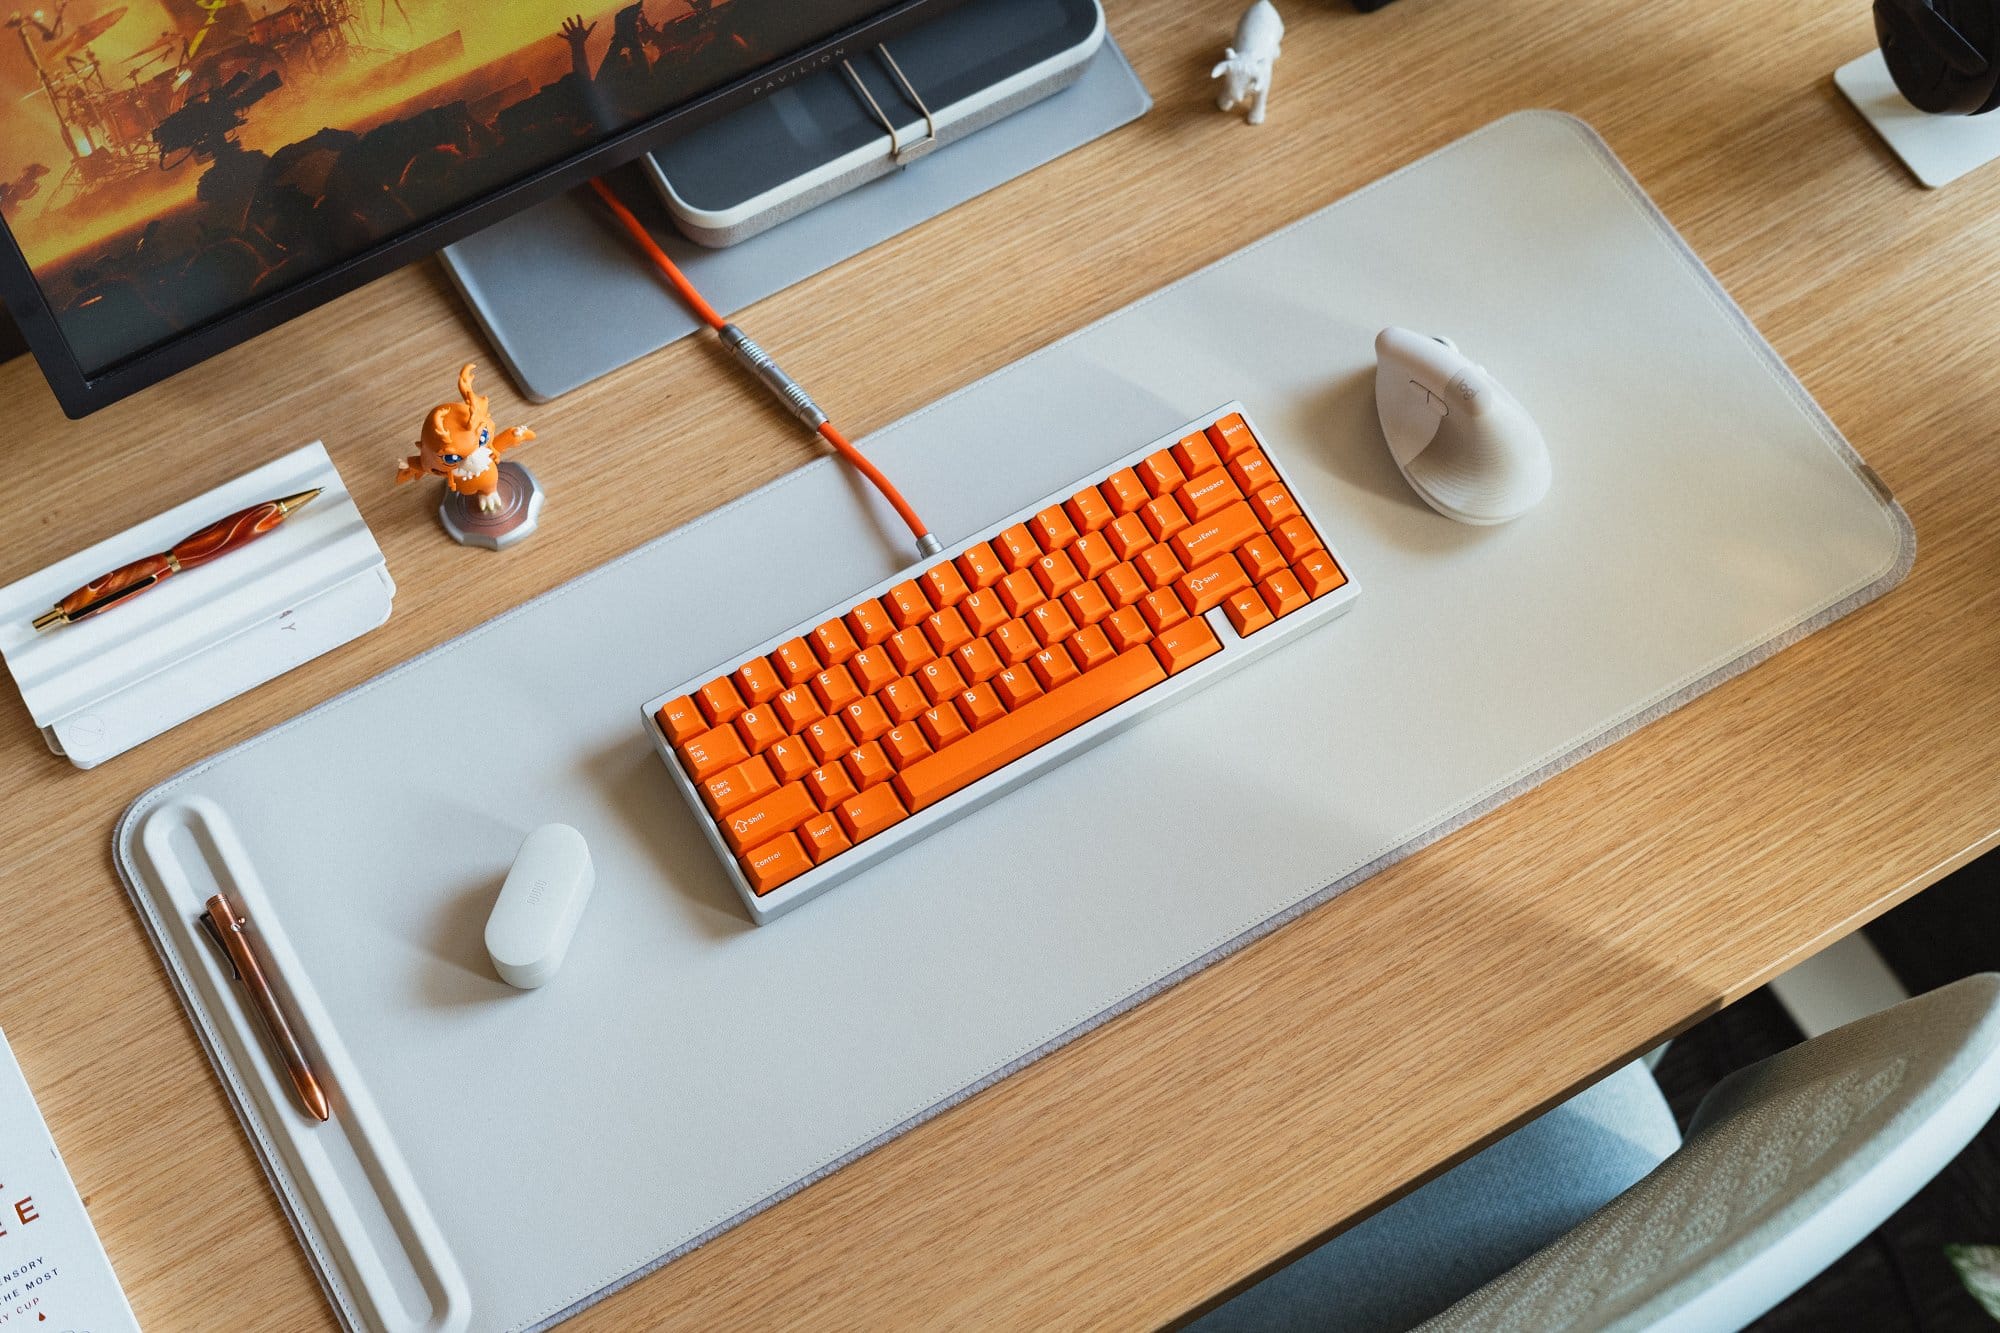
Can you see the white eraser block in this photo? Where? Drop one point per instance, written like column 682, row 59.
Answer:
column 53, row 1272
column 535, row 916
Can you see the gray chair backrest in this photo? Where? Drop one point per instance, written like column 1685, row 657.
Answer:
column 1788, row 1164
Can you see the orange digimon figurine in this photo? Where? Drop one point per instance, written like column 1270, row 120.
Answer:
column 460, row 445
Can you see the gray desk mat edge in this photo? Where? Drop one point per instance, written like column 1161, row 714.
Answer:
column 1698, row 682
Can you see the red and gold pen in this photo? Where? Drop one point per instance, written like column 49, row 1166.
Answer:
column 224, row 925
column 197, row 548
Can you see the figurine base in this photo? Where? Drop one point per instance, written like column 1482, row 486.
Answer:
column 520, row 510
column 1936, row 149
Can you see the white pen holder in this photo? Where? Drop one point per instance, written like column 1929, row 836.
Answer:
column 100, row 686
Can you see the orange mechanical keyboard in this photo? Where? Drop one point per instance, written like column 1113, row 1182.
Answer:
column 858, row 732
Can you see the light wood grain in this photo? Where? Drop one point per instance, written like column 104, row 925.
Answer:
column 1234, row 1119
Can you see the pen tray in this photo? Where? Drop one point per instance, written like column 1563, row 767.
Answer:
column 687, row 1069
column 392, row 1256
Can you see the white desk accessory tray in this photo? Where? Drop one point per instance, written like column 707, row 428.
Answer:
column 103, row 685
column 687, row 1069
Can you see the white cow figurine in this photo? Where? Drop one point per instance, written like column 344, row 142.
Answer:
column 1246, row 65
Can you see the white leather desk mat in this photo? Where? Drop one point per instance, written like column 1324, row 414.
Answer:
column 685, row 1069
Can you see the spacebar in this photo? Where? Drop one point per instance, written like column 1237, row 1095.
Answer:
column 1032, row 725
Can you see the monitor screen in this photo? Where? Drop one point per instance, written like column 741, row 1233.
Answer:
column 165, row 164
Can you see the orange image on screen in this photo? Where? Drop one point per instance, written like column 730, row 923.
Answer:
column 163, row 162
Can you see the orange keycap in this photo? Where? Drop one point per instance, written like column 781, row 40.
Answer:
column 873, row 668
column 1318, row 574
column 833, row 643
column 1247, row 612
column 835, row 688
column 1231, row 436
column 984, row 612
column 827, row 739
column 823, row 838
column 830, row 784
column 765, row 818
column 1053, row 667
column 868, row 814
column 1252, row 471
column 1019, row 591
column 1086, row 604
column 1260, row 556
column 1163, row 517
column 1089, row 648
column 761, row 728
column 757, row 680
column 1128, row 536
column 738, row 785
column 1295, row 537
column 910, row 649
column 865, row 720
column 1158, row 566
column 1123, row 491
column 980, row 706
column 1052, row 528
column 1051, row 622
column 1185, row 644
column 870, row 623
column 1036, row 722
column 1127, row 628
column 1056, row 573
column 1014, row 642
column 1160, row 473
column 680, row 719
column 796, row 707
column 718, row 701
column 1207, row 493
column 1274, row 504
column 1017, row 547
column 942, row 725
column 868, row 766
column 903, row 699
column 907, row 604
column 905, row 745
column 774, row 863
column 1194, row 455
column 712, row 751
column 980, row 564
column 1088, row 510
column 1015, row 686
column 1122, row 584
column 1161, row 608
column 795, row 662
column 944, row 585
column 1212, row 584
column 1092, row 554
column 946, row 630
column 1283, row 593
column 1203, row 541
column 976, row 661
column 940, row 680
column 789, row 759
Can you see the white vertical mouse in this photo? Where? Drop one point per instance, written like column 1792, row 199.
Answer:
column 1465, row 445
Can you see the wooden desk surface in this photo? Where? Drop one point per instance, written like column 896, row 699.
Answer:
column 1234, row 1119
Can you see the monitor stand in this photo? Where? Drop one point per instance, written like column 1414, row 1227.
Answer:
column 564, row 299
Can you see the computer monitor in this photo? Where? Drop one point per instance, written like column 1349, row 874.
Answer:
column 179, row 175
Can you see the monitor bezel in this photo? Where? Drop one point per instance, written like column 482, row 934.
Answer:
column 80, row 394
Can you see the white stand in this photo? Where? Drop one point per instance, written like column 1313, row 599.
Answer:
column 1936, row 149
column 100, row 687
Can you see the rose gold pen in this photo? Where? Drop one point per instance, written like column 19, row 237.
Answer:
column 224, row 924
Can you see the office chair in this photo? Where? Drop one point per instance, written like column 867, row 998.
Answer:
column 1786, row 1166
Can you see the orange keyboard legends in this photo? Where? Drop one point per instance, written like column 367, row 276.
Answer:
column 854, row 734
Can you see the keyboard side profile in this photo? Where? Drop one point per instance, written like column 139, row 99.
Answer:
column 859, row 731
